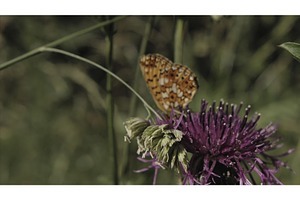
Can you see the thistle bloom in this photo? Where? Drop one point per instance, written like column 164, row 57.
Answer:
column 225, row 148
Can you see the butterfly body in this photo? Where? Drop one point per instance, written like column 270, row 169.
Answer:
column 171, row 85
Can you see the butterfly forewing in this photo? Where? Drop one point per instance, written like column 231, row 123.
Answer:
column 171, row 85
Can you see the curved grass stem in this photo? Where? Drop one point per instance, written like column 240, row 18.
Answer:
column 54, row 50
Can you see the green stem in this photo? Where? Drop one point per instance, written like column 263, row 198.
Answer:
column 148, row 27
column 46, row 49
column 178, row 41
column 57, row 42
column 125, row 167
column 110, row 103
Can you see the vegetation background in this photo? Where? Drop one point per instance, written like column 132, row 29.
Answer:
column 53, row 122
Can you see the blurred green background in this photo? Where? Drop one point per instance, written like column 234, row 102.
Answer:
column 53, row 110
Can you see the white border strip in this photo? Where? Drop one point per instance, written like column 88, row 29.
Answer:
column 150, row 7
column 148, row 192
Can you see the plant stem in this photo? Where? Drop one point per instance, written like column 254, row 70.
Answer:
column 148, row 27
column 132, row 108
column 110, row 103
column 54, row 50
column 178, row 41
column 57, row 42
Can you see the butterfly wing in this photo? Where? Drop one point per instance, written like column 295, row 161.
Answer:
column 171, row 85
column 152, row 66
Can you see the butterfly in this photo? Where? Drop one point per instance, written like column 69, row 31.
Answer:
column 171, row 85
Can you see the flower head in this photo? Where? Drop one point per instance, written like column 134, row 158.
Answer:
column 225, row 147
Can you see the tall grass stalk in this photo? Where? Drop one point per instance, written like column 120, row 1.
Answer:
column 132, row 108
column 178, row 41
column 110, row 103
column 148, row 27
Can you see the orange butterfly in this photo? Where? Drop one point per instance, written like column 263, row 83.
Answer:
column 171, row 85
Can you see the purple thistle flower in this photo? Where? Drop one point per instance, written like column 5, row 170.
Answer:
column 226, row 148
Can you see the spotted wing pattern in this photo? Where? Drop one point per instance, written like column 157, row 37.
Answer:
column 171, row 85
